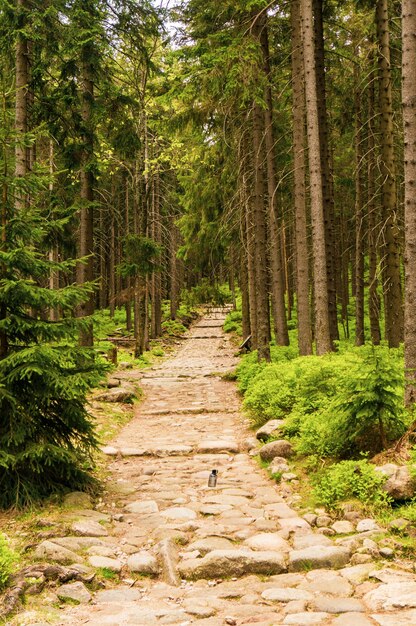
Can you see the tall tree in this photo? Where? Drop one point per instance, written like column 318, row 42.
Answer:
column 299, row 140
column 322, row 332
column 409, row 119
column 86, row 15
column 277, row 286
column 390, row 242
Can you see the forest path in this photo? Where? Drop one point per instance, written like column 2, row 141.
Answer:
column 236, row 554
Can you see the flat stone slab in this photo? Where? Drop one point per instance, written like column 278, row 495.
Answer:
column 118, row 596
column 392, row 596
column 318, row 557
column 179, row 513
column 268, row 541
column 306, row 619
column 172, row 450
column 89, row 528
column 328, row 582
column 280, row 510
column 215, row 445
column 405, row 618
column 142, row 507
column 338, row 605
column 78, row 543
column 104, row 562
column 352, row 619
column 208, row 544
column 225, row 563
column 286, row 594
column 214, row 509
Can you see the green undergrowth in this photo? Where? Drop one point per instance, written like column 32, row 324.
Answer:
column 350, row 480
column 338, row 406
column 7, row 561
column 338, row 411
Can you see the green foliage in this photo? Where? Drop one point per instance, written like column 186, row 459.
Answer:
column 232, row 323
column 142, row 255
column 249, row 367
column 207, row 293
column 351, row 480
column 7, row 559
column 46, row 434
column 338, row 405
column 173, row 328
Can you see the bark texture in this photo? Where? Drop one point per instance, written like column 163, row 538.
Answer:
column 276, row 272
column 260, row 239
column 85, row 270
column 322, row 333
column 409, row 119
column 327, row 183
column 390, row 240
column 301, row 234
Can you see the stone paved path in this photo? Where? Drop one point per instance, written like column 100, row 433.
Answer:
column 237, row 554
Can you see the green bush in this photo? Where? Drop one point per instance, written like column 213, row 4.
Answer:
column 173, row 328
column 232, row 323
column 7, row 559
column 365, row 413
column 338, row 405
column 249, row 367
column 351, row 480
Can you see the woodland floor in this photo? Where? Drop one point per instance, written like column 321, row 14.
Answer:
column 237, row 554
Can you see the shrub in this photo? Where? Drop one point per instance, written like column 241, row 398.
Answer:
column 173, row 328
column 232, row 323
column 351, row 480
column 337, row 405
column 7, row 558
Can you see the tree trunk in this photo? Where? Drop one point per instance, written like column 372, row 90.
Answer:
column 85, row 270
column 301, row 233
column 247, row 186
column 327, row 185
column 260, row 239
column 277, row 285
column 409, row 119
column 156, row 280
column 359, row 212
column 373, row 296
column 390, row 244
column 322, row 332
column 174, row 270
column 21, row 107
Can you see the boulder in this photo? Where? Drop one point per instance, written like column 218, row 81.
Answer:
column 278, row 465
column 78, row 500
column 269, row 429
column 124, row 394
column 400, row 485
column 271, row 450
column 77, row 592
column 143, row 563
column 89, row 528
column 228, row 563
column 53, row 552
